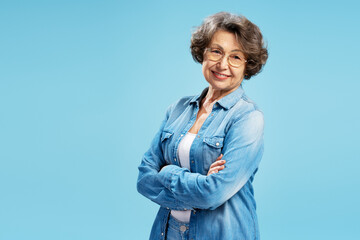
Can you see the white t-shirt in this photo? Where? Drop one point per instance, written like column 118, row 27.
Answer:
column 184, row 157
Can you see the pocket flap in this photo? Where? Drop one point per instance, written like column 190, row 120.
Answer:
column 216, row 142
column 165, row 135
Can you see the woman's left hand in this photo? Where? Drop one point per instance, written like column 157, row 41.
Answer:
column 217, row 166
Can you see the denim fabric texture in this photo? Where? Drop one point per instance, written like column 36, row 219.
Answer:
column 177, row 230
column 222, row 204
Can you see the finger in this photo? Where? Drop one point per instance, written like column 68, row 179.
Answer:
column 219, row 157
column 218, row 168
column 218, row 163
column 211, row 172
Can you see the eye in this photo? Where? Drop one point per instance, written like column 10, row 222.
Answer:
column 216, row 51
column 237, row 57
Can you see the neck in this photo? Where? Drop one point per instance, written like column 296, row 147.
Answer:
column 214, row 95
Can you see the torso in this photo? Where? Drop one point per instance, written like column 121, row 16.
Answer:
column 204, row 112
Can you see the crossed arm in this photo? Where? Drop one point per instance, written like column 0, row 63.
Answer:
column 177, row 188
column 215, row 167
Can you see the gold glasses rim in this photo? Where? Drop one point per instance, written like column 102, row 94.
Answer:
column 228, row 59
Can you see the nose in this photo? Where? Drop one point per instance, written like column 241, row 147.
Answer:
column 223, row 63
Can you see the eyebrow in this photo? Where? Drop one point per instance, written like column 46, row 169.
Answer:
column 235, row 50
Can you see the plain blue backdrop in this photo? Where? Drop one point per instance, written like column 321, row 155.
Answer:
column 84, row 86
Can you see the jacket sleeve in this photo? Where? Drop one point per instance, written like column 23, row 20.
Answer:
column 147, row 182
column 242, row 150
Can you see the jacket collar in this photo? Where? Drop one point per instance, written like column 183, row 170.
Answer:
column 226, row 102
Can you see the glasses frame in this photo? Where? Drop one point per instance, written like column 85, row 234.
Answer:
column 223, row 55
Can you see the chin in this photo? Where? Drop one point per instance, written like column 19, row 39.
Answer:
column 216, row 83
column 220, row 87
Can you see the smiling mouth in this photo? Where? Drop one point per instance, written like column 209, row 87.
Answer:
column 219, row 75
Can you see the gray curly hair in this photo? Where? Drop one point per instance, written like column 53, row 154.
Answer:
column 247, row 34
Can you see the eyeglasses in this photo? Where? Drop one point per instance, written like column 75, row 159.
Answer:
column 216, row 55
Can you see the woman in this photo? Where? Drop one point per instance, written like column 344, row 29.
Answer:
column 202, row 162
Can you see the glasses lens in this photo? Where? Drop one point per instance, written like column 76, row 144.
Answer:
column 236, row 60
column 214, row 54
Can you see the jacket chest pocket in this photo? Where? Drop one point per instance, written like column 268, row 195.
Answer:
column 211, row 150
column 166, row 145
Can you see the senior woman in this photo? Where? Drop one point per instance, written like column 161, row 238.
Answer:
column 202, row 161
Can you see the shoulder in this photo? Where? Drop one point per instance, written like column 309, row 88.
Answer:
column 247, row 122
column 247, row 115
column 179, row 106
column 184, row 101
column 246, row 108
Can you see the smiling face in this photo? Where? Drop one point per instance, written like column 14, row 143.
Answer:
column 220, row 75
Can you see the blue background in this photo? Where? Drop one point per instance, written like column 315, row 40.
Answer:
column 84, row 86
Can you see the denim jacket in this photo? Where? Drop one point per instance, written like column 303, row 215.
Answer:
column 222, row 204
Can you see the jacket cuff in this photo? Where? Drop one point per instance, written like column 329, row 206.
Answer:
column 166, row 174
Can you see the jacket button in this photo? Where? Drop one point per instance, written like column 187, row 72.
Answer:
column 162, row 234
column 175, row 159
column 183, row 228
column 217, row 144
column 181, row 135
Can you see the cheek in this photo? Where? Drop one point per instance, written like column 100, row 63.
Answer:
column 239, row 74
column 205, row 68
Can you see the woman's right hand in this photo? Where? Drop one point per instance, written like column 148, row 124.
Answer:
column 217, row 166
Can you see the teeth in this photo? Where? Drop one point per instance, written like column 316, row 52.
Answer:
column 221, row 75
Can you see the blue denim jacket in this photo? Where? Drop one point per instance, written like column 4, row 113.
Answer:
column 222, row 204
